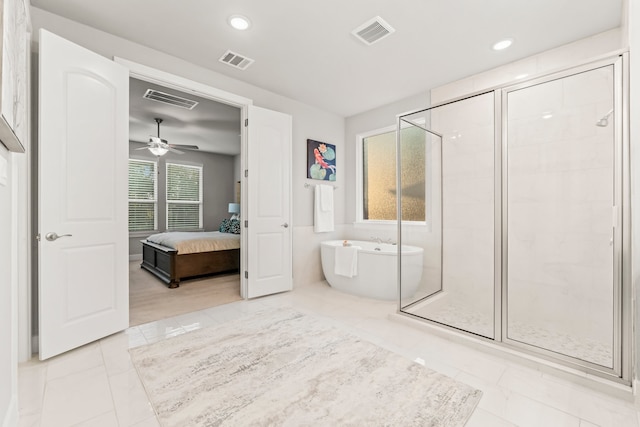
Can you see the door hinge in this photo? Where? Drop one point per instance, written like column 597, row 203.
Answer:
column 246, row 224
column 246, row 173
column 246, row 274
column 246, row 122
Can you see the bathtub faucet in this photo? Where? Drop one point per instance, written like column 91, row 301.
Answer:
column 379, row 240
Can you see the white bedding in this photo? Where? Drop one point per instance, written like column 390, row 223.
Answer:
column 189, row 242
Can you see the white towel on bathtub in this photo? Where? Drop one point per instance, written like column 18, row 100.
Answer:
column 323, row 212
column 346, row 261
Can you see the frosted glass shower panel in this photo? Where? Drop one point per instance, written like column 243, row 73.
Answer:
column 420, row 206
column 560, row 198
column 468, row 213
column 464, row 225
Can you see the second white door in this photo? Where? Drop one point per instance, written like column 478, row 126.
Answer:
column 83, row 277
column 269, row 267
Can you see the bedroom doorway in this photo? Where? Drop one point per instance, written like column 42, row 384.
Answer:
column 205, row 139
column 266, row 246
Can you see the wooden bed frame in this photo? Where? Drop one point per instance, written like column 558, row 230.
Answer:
column 170, row 267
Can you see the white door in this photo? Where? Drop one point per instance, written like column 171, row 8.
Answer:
column 269, row 203
column 83, row 152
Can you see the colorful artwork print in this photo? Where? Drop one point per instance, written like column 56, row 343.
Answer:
column 321, row 160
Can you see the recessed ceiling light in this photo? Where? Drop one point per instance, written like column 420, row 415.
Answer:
column 239, row 22
column 502, row 44
column 522, row 76
column 547, row 115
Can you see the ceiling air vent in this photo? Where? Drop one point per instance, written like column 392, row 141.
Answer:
column 235, row 60
column 373, row 30
column 167, row 98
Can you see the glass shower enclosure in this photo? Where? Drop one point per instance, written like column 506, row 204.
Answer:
column 526, row 211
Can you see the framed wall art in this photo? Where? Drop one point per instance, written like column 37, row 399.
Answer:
column 321, row 160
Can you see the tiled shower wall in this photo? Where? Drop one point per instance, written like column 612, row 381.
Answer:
column 560, row 198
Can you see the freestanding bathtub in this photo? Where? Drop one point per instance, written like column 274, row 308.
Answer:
column 377, row 275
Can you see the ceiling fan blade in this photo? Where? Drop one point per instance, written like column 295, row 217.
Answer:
column 185, row 147
column 141, row 148
column 173, row 150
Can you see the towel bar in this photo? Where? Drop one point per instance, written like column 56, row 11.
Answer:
column 307, row 185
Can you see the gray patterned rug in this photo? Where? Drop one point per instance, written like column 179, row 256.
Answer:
column 282, row 367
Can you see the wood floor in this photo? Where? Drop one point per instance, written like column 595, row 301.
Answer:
column 150, row 299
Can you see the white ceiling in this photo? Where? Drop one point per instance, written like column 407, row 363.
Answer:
column 304, row 50
column 212, row 126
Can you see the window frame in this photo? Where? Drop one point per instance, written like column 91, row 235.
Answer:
column 134, row 233
column 168, row 202
column 386, row 224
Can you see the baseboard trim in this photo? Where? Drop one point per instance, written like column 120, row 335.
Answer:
column 135, row 257
column 11, row 417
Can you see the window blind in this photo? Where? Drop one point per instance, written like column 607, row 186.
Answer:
column 184, row 197
column 142, row 195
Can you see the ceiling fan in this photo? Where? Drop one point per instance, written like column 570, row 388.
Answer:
column 160, row 147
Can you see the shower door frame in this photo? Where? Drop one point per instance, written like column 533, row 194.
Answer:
column 622, row 349
column 621, row 370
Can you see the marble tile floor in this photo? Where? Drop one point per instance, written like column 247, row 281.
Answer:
column 96, row 385
column 453, row 310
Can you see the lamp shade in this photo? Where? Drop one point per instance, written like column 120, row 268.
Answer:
column 234, row 208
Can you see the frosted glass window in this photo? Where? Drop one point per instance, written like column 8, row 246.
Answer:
column 379, row 176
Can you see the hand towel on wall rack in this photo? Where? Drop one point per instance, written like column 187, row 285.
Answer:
column 323, row 209
column 326, row 198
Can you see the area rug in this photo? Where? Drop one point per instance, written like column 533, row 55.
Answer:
column 281, row 367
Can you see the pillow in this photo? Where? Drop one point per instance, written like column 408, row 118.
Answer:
column 230, row 226
column 234, row 226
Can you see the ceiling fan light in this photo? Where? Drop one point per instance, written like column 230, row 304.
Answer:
column 158, row 151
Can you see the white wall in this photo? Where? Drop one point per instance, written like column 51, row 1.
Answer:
column 14, row 269
column 308, row 122
column 8, row 288
column 634, row 45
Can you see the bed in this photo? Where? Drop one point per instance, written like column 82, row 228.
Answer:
column 173, row 256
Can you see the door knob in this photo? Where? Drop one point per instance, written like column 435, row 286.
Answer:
column 51, row 236
column 285, row 225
